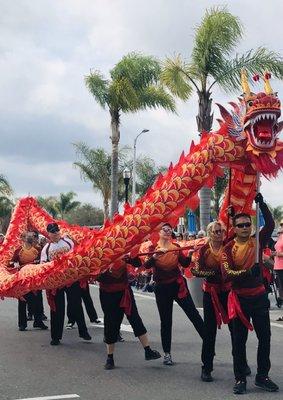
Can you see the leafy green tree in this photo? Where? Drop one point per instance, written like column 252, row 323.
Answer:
column 213, row 62
column 85, row 215
column 6, row 208
column 59, row 206
column 95, row 166
column 133, row 86
column 49, row 203
column 66, row 203
column 147, row 172
column 6, row 203
column 277, row 213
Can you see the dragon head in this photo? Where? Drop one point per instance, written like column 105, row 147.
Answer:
column 255, row 122
column 262, row 112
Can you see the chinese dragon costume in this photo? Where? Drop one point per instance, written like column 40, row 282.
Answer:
column 246, row 141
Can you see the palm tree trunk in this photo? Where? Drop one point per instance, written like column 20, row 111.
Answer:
column 204, row 122
column 105, row 209
column 217, row 203
column 115, row 138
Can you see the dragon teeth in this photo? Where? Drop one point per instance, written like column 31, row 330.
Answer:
column 264, row 116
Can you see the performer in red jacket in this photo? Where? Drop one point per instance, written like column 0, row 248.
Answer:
column 170, row 285
column 206, row 263
column 248, row 298
column 28, row 254
column 117, row 299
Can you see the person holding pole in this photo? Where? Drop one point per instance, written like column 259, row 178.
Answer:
column 170, row 285
column 206, row 263
column 248, row 299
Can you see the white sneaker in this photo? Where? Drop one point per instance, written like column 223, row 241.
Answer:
column 167, row 359
column 70, row 325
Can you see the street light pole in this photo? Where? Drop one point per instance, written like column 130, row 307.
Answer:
column 134, row 166
column 127, row 177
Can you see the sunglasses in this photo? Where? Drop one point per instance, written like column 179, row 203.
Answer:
column 244, row 225
column 167, row 229
column 217, row 231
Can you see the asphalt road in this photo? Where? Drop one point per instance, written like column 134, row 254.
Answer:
column 31, row 368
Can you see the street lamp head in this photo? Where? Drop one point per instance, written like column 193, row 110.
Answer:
column 127, row 173
column 145, row 130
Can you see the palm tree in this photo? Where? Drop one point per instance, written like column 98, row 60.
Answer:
column 6, row 208
column 95, row 166
column 147, row 171
column 212, row 63
column 277, row 213
column 6, row 202
column 133, row 86
column 66, row 203
column 218, row 191
column 50, row 205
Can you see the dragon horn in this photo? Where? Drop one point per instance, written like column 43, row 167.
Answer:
column 267, row 86
column 245, row 83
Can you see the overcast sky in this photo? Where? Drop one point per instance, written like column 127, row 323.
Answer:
column 47, row 47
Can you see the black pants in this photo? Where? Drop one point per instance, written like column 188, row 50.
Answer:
column 113, row 316
column 165, row 295
column 75, row 303
column 34, row 302
column 210, row 329
column 279, row 273
column 91, row 311
column 40, row 300
column 257, row 309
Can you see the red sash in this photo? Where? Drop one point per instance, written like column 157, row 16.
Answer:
column 126, row 301
column 183, row 290
column 234, row 306
column 214, row 289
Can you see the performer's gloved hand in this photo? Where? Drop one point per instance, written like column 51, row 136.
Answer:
column 259, row 199
column 231, row 211
column 255, row 271
column 127, row 258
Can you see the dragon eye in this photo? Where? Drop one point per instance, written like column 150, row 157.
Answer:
column 250, row 103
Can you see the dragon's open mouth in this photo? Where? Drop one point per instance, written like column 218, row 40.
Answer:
column 263, row 129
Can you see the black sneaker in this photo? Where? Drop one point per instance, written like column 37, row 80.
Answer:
column 95, row 321
column 206, row 376
column 55, row 342
column 22, row 328
column 266, row 383
column 40, row 325
column 86, row 336
column 240, row 387
column 109, row 363
column 152, row 354
column 120, row 338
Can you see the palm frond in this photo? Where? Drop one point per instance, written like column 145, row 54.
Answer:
column 174, row 76
column 215, row 38
column 5, row 187
column 138, row 69
column 123, row 96
column 98, row 87
column 155, row 97
column 254, row 61
column 94, row 166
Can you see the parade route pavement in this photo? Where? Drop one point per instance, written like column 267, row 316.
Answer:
column 31, row 369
